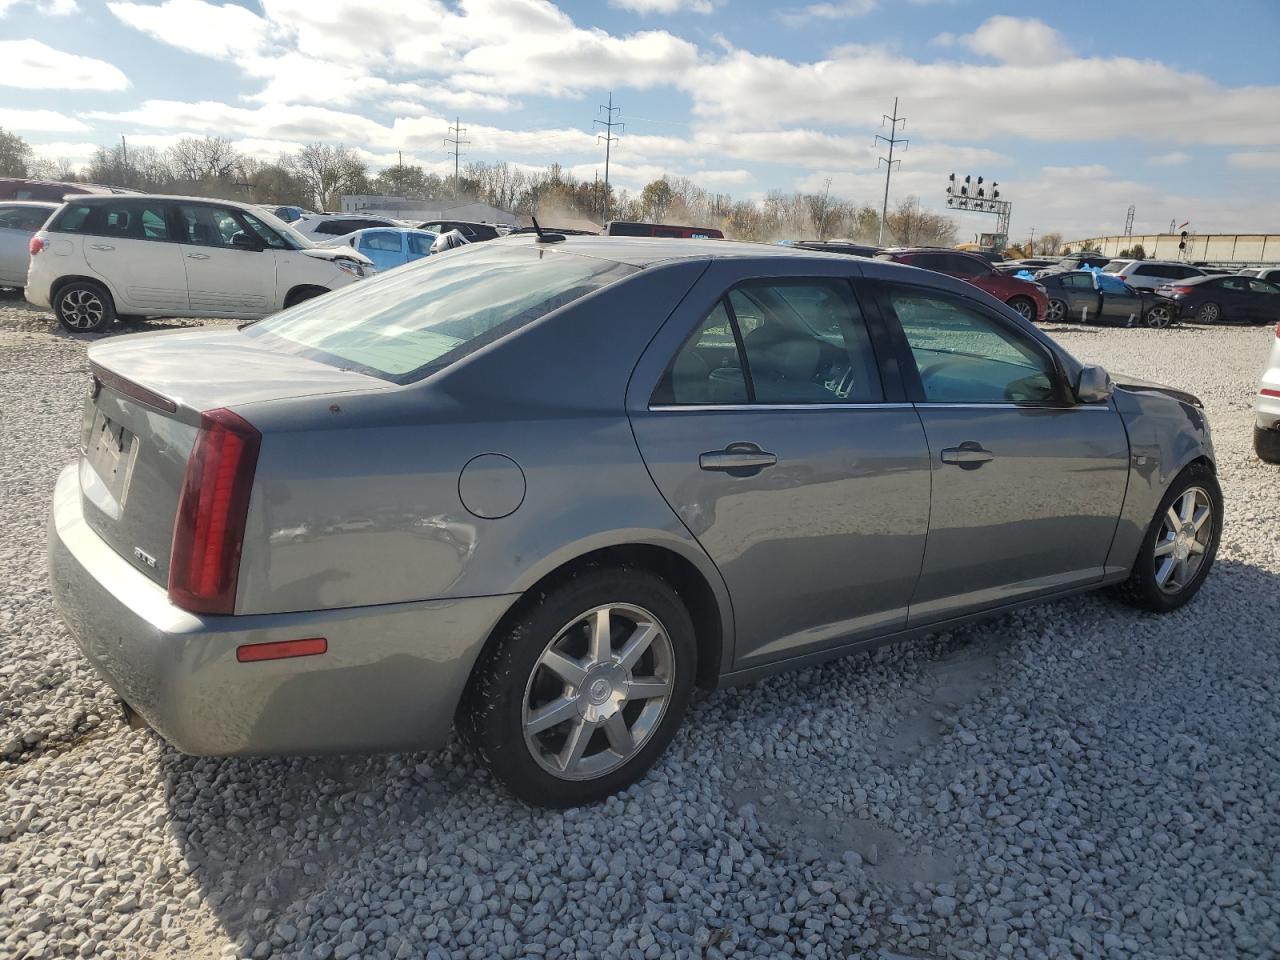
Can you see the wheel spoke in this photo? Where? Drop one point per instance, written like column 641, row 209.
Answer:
column 1163, row 571
column 1200, row 517
column 566, row 668
column 601, row 643
column 619, row 734
column 1164, row 547
column 557, row 711
column 636, row 644
column 646, row 688
column 1187, row 506
column 1196, row 547
column 1173, row 520
column 575, row 745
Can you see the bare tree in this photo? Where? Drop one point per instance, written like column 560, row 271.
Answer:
column 15, row 155
column 910, row 226
column 329, row 171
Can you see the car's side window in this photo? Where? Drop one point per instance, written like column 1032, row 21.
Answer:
column 207, row 226
column 962, row 266
column 128, row 220
column 1233, row 283
column 708, row 368
column 1261, row 286
column 381, row 240
column 265, row 233
column 420, row 243
column 966, row 356
column 1078, row 281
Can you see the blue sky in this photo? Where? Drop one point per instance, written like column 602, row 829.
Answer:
column 1078, row 109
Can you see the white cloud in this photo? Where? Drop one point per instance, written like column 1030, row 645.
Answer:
column 40, row 121
column 32, row 65
column 51, row 8
column 664, row 6
column 1014, row 40
column 1256, row 160
column 209, row 29
column 73, row 153
column 1174, row 158
column 837, row 10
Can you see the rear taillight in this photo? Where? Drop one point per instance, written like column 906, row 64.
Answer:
column 1180, row 291
column 36, row 245
column 213, row 507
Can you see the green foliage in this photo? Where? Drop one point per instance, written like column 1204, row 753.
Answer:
column 15, row 155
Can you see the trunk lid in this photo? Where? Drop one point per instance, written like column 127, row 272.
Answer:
column 143, row 414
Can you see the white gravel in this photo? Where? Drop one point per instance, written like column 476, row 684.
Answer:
column 1076, row 780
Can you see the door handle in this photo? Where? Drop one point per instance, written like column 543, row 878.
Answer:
column 197, row 256
column 968, row 456
column 101, row 246
column 738, row 459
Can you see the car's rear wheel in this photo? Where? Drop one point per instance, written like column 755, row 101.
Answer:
column 1057, row 312
column 1208, row 312
column 1180, row 545
column 1266, row 444
column 84, row 307
column 299, row 294
column 1159, row 316
column 1026, row 308
column 582, row 690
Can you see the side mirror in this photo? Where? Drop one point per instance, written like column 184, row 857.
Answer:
column 243, row 241
column 1093, row 384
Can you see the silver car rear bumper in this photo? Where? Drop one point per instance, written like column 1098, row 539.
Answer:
column 390, row 679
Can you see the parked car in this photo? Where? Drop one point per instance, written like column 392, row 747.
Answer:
column 287, row 213
column 847, row 247
column 1026, row 297
column 1214, row 299
column 1149, row 274
column 628, row 228
column 18, row 221
column 1090, row 260
column 1270, row 274
column 600, row 472
column 388, row 247
column 1079, row 296
column 1266, row 408
column 100, row 257
column 21, row 188
column 471, row 232
column 325, row 226
column 1030, row 264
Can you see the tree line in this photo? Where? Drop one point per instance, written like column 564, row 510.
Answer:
column 317, row 175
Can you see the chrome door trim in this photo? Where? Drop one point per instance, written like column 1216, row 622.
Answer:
column 741, row 407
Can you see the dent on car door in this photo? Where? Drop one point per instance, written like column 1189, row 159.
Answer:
column 1027, row 485
column 764, row 420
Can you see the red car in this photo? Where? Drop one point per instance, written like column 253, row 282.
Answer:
column 1025, row 296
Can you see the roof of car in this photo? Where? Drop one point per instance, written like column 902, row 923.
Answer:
column 48, row 204
column 643, row 251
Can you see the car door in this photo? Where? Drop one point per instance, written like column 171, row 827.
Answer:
column 1265, row 301
column 1232, row 295
column 384, row 247
column 1120, row 306
column 1081, row 296
column 230, row 272
column 1027, row 484
column 765, row 421
column 128, row 244
column 17, row 224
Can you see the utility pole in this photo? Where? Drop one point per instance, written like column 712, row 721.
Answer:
column 608, row 123
column 822, row 227
column 400, row 173
column 892, row 140
column 1128, row 220
column 456, row 141
column 1032, row 249
column 124, row 162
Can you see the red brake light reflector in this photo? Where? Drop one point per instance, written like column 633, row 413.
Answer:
column 281, row 650
column 212, row 510
column 1266, row 392
column 35, row 245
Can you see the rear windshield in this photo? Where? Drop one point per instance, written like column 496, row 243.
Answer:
column 1115, row 266
column 407, row 324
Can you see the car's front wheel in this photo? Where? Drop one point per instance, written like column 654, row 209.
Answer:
column 1180, row 545
column 583, row 688
column 84, row 307
column 1159, row 316
column 1026, row 308
column 1209, row 313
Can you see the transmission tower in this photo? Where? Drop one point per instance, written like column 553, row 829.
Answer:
column 892, row 140
column 608, row 123
column 1128, row 221
column 454, row 144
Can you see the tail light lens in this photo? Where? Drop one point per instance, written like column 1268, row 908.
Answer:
column 35, row 245
column 212, row 510
column 1179, row 291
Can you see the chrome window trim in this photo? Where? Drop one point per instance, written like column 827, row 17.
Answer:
column 905, row 405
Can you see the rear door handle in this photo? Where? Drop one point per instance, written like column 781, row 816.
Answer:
column 739, row 459
column 197, row 256
column 968, row 456
column 101, row 246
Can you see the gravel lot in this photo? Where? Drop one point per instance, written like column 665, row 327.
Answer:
column 1072, row 780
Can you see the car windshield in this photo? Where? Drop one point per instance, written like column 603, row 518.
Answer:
column 421, row 318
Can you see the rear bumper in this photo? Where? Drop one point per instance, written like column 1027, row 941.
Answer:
column 390, row 680
column 1266, row 409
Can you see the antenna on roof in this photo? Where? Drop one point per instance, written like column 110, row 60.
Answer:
column 543, row 235
column 536, row 229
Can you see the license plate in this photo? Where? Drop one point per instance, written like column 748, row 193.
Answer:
column 111, row 453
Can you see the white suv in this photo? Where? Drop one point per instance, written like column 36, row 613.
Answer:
column 1266, row 408
column 100, row 257
column 1149, row 274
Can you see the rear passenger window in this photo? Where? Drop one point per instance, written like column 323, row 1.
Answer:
column 72, row 219
column 126, row 219
column 381, row 240
column 804, row 341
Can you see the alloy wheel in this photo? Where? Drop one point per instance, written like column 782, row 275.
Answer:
column 82, row 309
column 1209, row 313
column 1159, row 317
column 1057, row 311
column 1186, row 530
column 1026, row 309
column 598, row 691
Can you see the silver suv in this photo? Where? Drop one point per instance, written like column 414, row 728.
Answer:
column 1149, row 274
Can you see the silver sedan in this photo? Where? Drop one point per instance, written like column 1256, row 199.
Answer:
column 19, row 220
column 542, row 488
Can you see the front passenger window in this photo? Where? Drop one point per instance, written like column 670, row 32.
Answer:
column 964, row 356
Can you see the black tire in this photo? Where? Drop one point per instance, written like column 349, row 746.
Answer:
column 1159, row 316
column 83, row 306
column 1208, row 312
column 1266, row 444
column 1142, row 589
column 491, row 716
column 300, row 294
column 1024, row 306
column 1058, row 311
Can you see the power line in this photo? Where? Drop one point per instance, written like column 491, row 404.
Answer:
column 458, row 141
column 892, row 140
column 609, row 140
